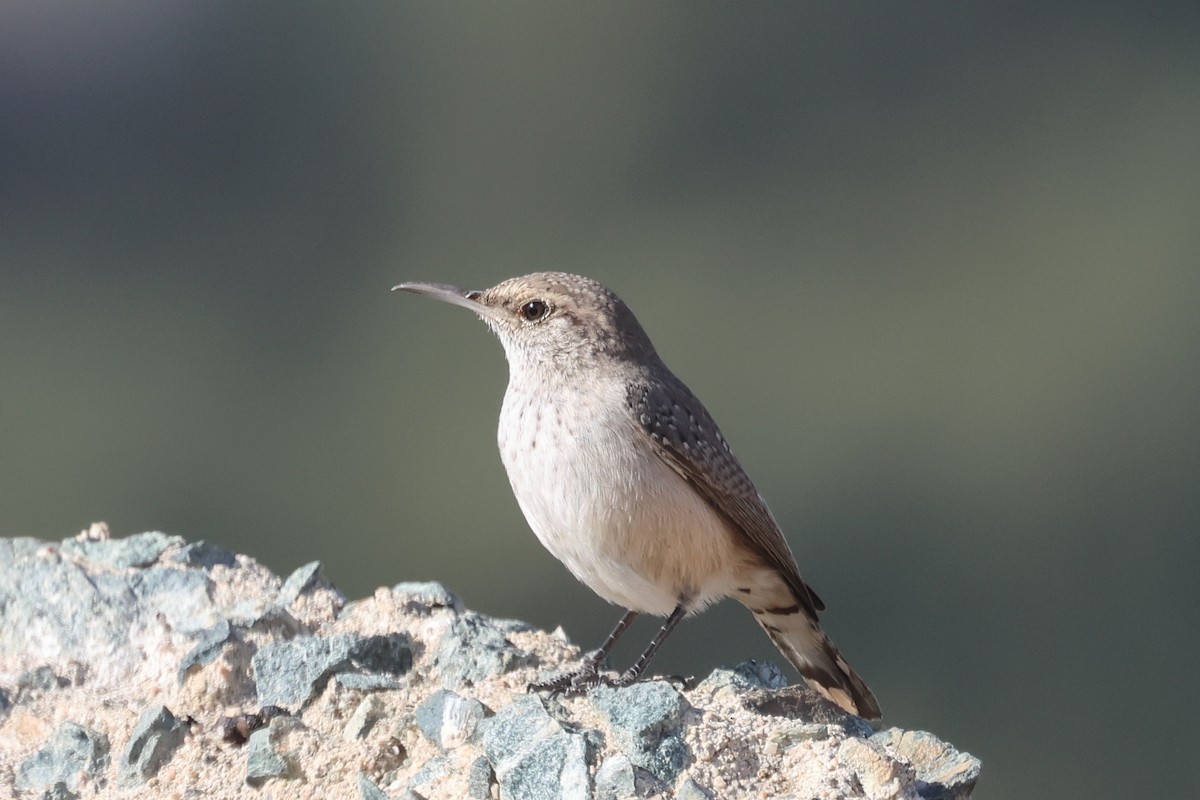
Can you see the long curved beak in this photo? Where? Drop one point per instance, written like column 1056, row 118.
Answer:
column 455, row 296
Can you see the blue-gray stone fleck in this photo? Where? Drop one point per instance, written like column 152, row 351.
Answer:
column 615, row 778
column 59, row 791
column 423, row 597
column 646, row 725
column 361, row 682
column 262, row 760
column 73, row 749
column 747, row 675
column 138, row 550
column 479, row 779
column 690, row 790
column 151, row 745
column 429, row 715
column 390, row 654
column 300, row 581
column 260, row 617
column 541, row 772
column 512, row 729
column 288, row 673
column 532, row 755
column 473, row 649
column 205, row 554
column 208, row 646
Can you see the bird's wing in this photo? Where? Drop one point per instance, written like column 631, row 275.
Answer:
column 687, row 439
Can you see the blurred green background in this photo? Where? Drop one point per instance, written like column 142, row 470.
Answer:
column 935, row 269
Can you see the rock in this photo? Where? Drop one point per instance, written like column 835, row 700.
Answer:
column 803, row 703
column 791, row 735
column 474, row 649
column 109, row 617
column 300, row 581
column 151, row 744
column 388, row 695
column 747, row 675
column 366, row 682
column 646, row 721
column 59, row 791
column 615, row 778
column 279, row 751
column 425, row 597
column 264, row 615
column 433, row 773
column 878, row 775
column 363, row 719
column 139, row 550
column 690, row 790
column 208, row 646
column 308, row 596
column 479, row 779
column 943, row 773
column 263, row 761
column 205, row 555
column 20, row 548
column 382, row 655
column 72, row 750
column 369, row 790
column 449, row 720
column 532, row 755
column 287, row 673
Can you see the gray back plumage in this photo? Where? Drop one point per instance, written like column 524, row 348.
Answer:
column 687, row 439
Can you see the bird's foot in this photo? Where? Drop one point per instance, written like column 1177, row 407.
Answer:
column 683, row 683
column 626, row 678
column 571, row 683
column 584, row 680
column 629, row 677
column 587, row 677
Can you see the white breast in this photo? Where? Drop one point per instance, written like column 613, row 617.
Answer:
column 605, row 505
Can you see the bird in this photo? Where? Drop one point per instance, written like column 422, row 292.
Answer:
column 624, row 477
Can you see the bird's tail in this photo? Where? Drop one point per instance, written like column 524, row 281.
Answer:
column 802, row 642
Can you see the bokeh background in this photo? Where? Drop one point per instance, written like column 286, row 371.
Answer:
column 934, row 268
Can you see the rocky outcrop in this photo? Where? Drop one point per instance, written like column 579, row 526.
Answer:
column 149, row 666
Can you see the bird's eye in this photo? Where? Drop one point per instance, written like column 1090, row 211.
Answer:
column 535, row 310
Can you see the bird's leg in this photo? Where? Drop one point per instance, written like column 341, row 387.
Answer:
column 588, row 674
column 633, row 673
column 594, row 661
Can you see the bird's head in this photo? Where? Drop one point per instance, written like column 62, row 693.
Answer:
column 551, row 318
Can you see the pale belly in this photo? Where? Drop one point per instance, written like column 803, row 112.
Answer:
column 604, row 504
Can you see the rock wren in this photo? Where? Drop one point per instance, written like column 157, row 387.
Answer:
column 625, row 478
